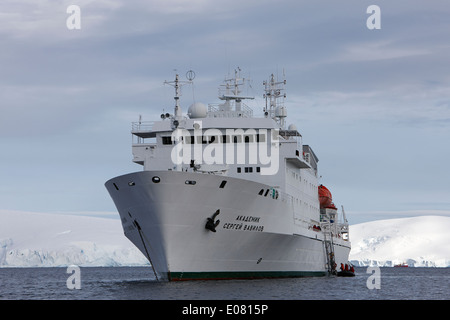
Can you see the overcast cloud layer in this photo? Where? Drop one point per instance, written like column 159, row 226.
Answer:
column 373, row 104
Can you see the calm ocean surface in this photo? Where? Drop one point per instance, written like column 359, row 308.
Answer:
column 137, row 283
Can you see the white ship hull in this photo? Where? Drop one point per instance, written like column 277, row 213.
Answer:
column 257, row 236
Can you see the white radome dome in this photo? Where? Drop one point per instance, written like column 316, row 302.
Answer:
column 197, row 110
column 292, row 127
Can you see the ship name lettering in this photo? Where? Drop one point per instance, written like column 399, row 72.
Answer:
column 235, row 226
column 248, row 219
column 248, row 227
column 241, row 226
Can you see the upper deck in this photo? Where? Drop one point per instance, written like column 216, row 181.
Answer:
column 227, row 139
column 230, row 122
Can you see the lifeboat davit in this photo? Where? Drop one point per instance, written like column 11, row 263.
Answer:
column 325, row 198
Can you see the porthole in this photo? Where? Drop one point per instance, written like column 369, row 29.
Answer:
column 156, row 179
column 190, row 182
column 131, row 183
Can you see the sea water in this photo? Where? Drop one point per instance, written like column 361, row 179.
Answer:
column 138, row 283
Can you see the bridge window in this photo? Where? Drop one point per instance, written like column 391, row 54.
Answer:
column 260, row 137
column 237, row 139
column 167, row 140
column 225, row 139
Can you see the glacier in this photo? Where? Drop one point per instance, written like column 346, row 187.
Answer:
column 31, row 239
column 421, row 241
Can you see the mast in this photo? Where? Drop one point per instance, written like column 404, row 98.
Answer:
column 231, row 91
column 275, row 95
column 177, row 84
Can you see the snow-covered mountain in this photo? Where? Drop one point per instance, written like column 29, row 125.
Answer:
column 30, row 239
column 419, row 241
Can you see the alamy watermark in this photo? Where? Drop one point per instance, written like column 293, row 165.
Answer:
column 374, row 20
column 231, row 146
column 374, row 280
column 73, row 22
column 74, row 280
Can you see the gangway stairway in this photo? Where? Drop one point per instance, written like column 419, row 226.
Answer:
column 329, row 248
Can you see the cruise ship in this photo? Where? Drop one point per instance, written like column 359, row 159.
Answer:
column 224, row 194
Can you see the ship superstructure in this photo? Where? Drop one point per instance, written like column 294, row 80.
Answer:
column 224, row 194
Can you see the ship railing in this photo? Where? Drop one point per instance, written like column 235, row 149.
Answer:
column 343, row 227
column 142, row 131
column 337, row 230
column 216, row 110
column 142, row 126
column 330, row 227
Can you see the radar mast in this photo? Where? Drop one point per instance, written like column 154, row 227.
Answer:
column 275, row 95
column 177, row 84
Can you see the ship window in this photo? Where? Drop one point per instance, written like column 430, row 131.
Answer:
column 167, row 140
column 248, row 139
column 250, row 169
column 237, row 139
column 258, row 169
column 189, row 139
column 222, row 185
column 190, row 182
column 260, row 137
column 156, row 179
column 225, row 138
column 246, row 169
column 261, row 192
column 115, row 186
column 207, row 139
column 267, row 192
column 239, row 170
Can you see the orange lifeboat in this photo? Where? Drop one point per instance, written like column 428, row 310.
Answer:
column 325, row 198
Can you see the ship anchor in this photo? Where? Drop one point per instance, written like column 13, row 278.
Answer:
column 211, row 224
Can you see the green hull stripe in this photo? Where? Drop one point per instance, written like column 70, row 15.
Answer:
column 180, row 276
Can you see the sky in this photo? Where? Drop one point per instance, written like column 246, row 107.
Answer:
column 374, row 104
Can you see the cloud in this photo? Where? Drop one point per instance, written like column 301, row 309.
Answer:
column 24, row 20
column 362, row 216
column 380, row 50
column 367, row 101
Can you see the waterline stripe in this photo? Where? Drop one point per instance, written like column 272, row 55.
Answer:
column 225, row 275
